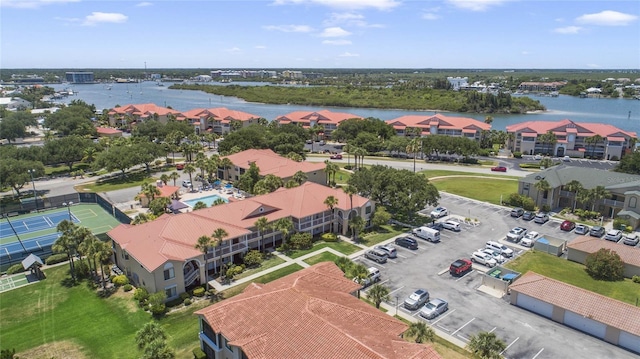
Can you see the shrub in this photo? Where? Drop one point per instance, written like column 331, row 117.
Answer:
column 56, row 258
column 16, row 268
column 605, row 264
column 329, row 237
column 546, row 208
column 141, row 294
column 82, row 269
column 199, row 354
column 184, row 295
column 517, row 154
column 127, row 287
column 348, row 167
column 253, row 258
column 233, row 271
column 187, row 302
column 620, row 223
column 198, row 292
column 301, row 241
column 120, row 280
column 636, row 279
column 156, row 303
column 174, row 302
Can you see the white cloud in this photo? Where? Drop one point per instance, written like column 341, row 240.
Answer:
column 430, row 16
column 475, row 5
column 233, row 50
column 568, row 30
column 334, row 32
column 143, row 4
column 340, row 42
column 348, row 54
column 607, row 18
column 32, row 4
column 97, row 17
column 345, row 4
column 68, row 19
column 289, row 28
column 260, row 47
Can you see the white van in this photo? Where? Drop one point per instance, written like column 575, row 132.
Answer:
column 429, row 234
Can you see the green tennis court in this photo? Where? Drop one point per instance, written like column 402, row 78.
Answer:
column 14, row 281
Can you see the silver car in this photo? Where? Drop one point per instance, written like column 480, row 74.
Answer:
column 416, row 299
column 434, row 308
column 376, row 256
column 388, row 249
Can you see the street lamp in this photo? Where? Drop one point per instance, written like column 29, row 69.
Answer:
column 68, row 205
column 35, row 195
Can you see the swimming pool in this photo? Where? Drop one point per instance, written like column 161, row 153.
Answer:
column 208, row 200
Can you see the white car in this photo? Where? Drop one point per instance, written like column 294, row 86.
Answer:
column 451, row 225
column 516, row 234
column 506, row 251
column 439, row 212
column 613, row 235
column 529, row 239
column 494, row 254
column 483, row 258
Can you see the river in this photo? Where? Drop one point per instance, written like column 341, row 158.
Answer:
column 622, row 113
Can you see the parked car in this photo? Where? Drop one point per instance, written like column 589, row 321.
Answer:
column 516, row 234
column 407, row 242
column 537, row 157
column 180, row 166
column 494, row 254
column 426, row 233
column 630, row 239
column 528, row 215
column 568, row 226
column 566, row 159
column 529, row 239
column 186, row 183
column 337, row 156
column 596, row 231
column 460, row 267
column 483, row 258
column 372, row 277
column 517, row 212
column 541, row 218
column 499, row 169
column 376, row 256
column 434, row 308
column 417, row 299
column 435, row 225
column 581, row 229
column 439, row 212
column 451, row 225
column 500, row 247
column 388, row 249
column 613, row 235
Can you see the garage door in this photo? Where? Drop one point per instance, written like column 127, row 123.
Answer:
column 584, row 324
column 629, row 341
column 535, row 305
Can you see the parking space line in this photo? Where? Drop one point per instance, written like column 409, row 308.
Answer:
column 443, row 328
column 401, row 256
column 442, row 317
column 465, row 324
column 384, row 281
column 538, row 353
column 494, row 328
column 508, row 346
column 465, row 274
column 391, row 260
column 416, row 313
column 463, row 337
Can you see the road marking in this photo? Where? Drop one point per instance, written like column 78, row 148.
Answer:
column 401, row 256
column 494, row 328
column 465, row 275
column 508, row 346
column 462, row 337
column 443, row 328
column 395, row 290
column 416, row 313
column 384, row 281
column 392, row 261
column 465, row 324
column 535, row 356
column 443, row 271
column 442, row 317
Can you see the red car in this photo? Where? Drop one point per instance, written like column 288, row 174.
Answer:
column 499, row 169
column 337, row 156
column 180, row 166
column 567, row 226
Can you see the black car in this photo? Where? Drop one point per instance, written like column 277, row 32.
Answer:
column 407, row 242
column 528, row 215
column 436, row 225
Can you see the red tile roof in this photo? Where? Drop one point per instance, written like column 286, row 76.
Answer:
column 272, row 163
column 174, row 236
column 219, row 113
column 580, row 301
column 588, row 244
column 321, row 117
column 447, row 122
column 165, row 191
column 142, row 109
column 107, row 131
column 310, row 315
column 583, row 129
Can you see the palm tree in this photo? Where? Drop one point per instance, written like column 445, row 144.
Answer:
column 299, row 177
column 190, row 169
column 174, row 176
column 203, row 244
column 359, row 273
column 357, row 225
column 219, row 235
column 66, row 243
column 488, row 119
column 165, row 178
column 89, row 154
column 584, row 196
column 226, row 164
column 285, row 226
column 420, row 332
column 350, row 191
column 597, row 194
column 593, row 141
column 359, row 152
column 541, row 186
column 377, row 294
column 413, row 148
column 330, row 169
column 486, row 345
column 262, row 224
column 150, row 191
column 331, row 202
column 149, row 332
column 103, row 255
column 574, row 186
column 344, row 263
column 88, row 247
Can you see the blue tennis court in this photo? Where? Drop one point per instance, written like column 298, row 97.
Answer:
column 34, row 224
column 34, row 244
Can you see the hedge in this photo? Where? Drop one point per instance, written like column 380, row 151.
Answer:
column 120, row 280
column 198, row 292
column 56, row 258
column 16, row 268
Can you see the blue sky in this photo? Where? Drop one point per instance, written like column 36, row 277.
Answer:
column 320, row 34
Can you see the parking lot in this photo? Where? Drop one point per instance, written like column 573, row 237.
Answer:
column 527, row 335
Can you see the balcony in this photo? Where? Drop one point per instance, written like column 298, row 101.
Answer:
column 191, row 277
column 613, row 203
column 225, row 250
column 209, row 342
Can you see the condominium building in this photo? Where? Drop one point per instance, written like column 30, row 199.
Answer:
column 439, row 125
column 327, row 119
column 219, row 120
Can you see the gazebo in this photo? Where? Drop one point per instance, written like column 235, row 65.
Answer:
column 33, row 264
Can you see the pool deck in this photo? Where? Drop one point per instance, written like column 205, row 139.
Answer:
column 186, row 196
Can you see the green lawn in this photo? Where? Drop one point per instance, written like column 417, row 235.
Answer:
column 263, row 279
column 268, row 263
column 382, row 234
column 483, row 189
column 341, row 246
column 440, row 173
column 574, row 274
column 322, row 257
column 132, row 180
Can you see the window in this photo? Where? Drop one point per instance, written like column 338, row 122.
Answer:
column 125, row 255
column 633, row 202
column 171, row 291
column 367, row 210
column 168, row 271
column 226, row 345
